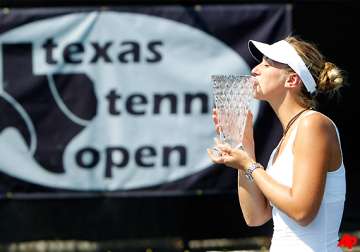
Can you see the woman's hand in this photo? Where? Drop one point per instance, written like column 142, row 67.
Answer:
column 248, row 138
column 232, row 157
column 216, row 121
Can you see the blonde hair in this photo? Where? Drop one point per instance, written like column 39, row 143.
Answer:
column 328, row 77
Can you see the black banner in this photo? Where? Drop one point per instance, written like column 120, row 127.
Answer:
column 202, row 209
column 88, row 94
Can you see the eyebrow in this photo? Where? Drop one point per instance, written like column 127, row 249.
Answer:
column 275, row 63
column 270, row 60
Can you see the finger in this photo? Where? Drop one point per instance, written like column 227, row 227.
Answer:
column 249, row 125
column 212, row 155
column 214, row 112
column 215, row 118
column 249, row 117
column 226, row 160
column 224, row 144
column 215, row 159
column 218, row 142
column 224, row 148
column 217, row 129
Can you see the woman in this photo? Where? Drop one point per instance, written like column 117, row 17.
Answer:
column 303, row 187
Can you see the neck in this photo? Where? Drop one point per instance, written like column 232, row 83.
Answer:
column 286, row 109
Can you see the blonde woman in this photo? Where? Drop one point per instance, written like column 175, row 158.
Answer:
column 303, row 187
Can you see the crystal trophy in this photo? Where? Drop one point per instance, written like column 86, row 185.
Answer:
column 232, row 94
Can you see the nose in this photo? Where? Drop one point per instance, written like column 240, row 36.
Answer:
column 255, row 70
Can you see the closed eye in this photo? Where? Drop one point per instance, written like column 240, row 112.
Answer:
column 265, row 62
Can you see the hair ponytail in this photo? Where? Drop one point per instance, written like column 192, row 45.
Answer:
column 330, row 79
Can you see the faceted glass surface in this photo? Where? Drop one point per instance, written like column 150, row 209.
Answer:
column 232, row 95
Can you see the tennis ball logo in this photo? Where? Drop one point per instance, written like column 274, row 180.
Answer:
column 99, row 108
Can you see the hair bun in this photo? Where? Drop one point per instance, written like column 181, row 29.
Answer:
column 331, row 78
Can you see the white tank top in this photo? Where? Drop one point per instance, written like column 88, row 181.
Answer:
column 321, row 235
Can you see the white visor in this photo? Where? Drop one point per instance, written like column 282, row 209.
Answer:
column 283, row 52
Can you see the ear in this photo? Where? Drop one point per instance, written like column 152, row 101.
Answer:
column 292, row 81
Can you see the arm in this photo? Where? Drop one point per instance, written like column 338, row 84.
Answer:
column 312, row 149
column 254, row 206
column 312, row 156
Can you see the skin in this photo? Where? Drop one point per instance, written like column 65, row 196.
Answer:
column 316, row 151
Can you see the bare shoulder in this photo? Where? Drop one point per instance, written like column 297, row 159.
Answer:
column 317, row 124
column 319, row 132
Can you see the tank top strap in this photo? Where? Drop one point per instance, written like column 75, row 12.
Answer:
column 293, row 132
column 338, row 136
column 291, row 140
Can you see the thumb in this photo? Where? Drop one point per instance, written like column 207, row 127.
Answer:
column 225, row 148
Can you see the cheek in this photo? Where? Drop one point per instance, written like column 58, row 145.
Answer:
column 267, row 84
column 270, row 84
